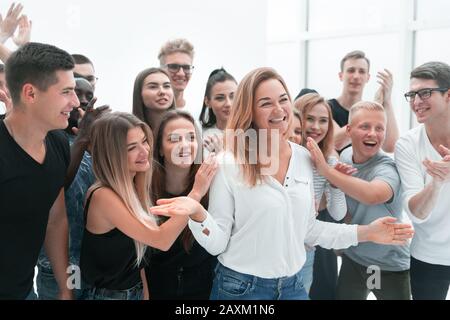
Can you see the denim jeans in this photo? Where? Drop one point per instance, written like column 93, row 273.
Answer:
column 307, row 270
column 232, row 285
column 135, row 293
column 31, row 295
column 47, row 287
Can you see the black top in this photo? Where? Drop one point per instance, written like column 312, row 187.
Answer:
column 340, row 115
column 108, row 260
column 177, row 274
column 27, row 192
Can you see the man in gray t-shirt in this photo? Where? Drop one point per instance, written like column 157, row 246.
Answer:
column 374, row 191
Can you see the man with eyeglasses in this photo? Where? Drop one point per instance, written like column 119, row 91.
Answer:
column 176, row 56
column 423, row 161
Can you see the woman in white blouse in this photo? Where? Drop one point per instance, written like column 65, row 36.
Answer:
column 262, row 211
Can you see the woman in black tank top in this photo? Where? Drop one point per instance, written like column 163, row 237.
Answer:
column 119, row 226
column 185, row 272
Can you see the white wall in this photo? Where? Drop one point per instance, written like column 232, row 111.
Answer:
column 124, row 37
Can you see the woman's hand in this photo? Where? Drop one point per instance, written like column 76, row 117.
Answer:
column 180, row 206
column 203, row 177
column 386, row 231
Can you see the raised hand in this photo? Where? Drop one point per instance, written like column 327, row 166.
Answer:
column 316, row 155
column 24, row 34
column 386, row 82
column 9, row 25
column 213, row 143
column 203, row 177
column 386, row 231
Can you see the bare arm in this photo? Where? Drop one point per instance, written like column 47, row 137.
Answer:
column 146, row 295
column 423, row 202
column 384, row 96
column 56, row 244
column 107, row 208
column 5, row 53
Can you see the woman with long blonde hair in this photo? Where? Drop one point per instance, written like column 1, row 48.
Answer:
column 118, row 225
column 261, row 206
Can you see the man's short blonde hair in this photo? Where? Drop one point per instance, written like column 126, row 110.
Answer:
column 173, row 46
column 365, row 105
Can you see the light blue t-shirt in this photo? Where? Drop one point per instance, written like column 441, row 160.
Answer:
column 387, row 257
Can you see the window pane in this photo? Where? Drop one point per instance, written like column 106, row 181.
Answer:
column 283, row 19
column 332, row 15
column 432, row 10
column 431, row 46
column 285, row 58
column 324, row 66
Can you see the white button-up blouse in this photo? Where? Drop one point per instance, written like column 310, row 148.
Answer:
column 262, row 230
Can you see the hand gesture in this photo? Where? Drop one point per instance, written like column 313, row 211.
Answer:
column 384, row 93
column 87, row 118
column 213, row 143
column 439, row 170
column 204, row 176
column 316, row 156
column 9, row 25
column 24, row 34
column 386, row 231
column 345, row 168
column 179, row 206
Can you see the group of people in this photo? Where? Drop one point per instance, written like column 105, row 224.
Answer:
column 248, row 205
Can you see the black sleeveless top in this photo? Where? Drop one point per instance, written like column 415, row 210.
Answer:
column 108, row 260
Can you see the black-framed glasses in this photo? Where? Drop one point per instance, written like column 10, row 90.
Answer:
column 175, row 67
column 422, row 93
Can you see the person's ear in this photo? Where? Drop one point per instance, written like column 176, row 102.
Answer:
column 206, row 101
column 348, row 130
column 28, row 94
